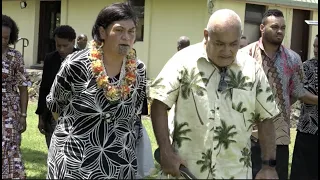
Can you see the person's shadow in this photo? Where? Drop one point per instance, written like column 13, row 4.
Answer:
column 35, row 163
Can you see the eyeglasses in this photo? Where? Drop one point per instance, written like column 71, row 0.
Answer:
column 223, row 85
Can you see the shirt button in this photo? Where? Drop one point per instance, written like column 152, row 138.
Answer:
column 217, row 108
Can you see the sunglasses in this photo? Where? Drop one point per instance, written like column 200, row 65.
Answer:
column 223, row 85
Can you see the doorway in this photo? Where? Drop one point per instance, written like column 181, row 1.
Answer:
column 49, row 19
column 300, row 33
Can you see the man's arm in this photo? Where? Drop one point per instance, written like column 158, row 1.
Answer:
column 267, row 110
column 298, row 80
column 44, row 88
column 309, row 98
column 267, row 139
column 159, row 117
column 164, row 91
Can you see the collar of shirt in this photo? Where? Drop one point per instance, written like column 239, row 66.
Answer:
column 280, row 50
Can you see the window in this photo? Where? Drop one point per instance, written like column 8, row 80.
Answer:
column 138, row 6
column 252, row 21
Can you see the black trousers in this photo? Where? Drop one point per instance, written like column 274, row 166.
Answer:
column 305, row 157
column 50, row 125
column 282, row 160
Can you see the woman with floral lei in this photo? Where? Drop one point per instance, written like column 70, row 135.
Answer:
column 97, row 98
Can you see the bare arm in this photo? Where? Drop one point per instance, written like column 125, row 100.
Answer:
column 266, row 133
column 170, row 161
column 309, row 98
column 159, row 117
column 23, row 99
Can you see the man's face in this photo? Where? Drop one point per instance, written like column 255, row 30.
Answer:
column 119, row 37
column 5, row 36
column 315, row 48
column 222, row 46
column 274, row 30
column 82, row 42
column 64, row 46
column 243, row 43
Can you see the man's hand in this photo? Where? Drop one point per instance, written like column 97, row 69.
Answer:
column 23, row 124
column 309, row 98
column 267, row 173
column 41, row 125
column 170, row 162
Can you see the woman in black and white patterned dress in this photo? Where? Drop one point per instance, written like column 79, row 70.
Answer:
column 97, row 97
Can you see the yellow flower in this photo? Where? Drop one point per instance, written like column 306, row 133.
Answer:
column 102, row 81
column 131, row 54
column 97, row 67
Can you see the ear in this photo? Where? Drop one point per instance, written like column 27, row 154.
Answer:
column 73, row 42
column 262, row 28
column 102, row 33
column 206, row 35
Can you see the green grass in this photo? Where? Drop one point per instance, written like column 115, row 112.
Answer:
column 34, row 148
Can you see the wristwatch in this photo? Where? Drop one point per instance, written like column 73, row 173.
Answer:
column 23, row 115
column 270, row 162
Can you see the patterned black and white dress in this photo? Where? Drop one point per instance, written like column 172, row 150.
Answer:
column 93, row 139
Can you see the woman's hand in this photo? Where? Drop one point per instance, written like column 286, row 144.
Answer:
column 23, row 124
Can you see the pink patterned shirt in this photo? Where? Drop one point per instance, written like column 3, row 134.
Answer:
column 285, row 76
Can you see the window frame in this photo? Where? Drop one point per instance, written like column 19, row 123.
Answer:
column 139, row 8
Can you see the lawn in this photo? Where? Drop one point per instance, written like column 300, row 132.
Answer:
column 34, row 149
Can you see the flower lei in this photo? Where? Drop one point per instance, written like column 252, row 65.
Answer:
column 112, row 92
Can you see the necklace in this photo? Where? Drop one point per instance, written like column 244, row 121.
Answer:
column 120, row 89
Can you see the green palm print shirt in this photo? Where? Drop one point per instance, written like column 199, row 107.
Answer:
column 212, row 129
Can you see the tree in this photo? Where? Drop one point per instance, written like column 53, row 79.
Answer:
column 255, row 119
column 240, row 110
column 206, row 163
column 236, row 81
column 179, row 133
column 246, row 158
column 223, row 134
column 190, row 85
column 157, row 84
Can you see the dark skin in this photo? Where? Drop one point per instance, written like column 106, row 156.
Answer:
column 273, row 32
column 24, row 98
column 82, row 41
column 221, row 44
column 170, row 161
column 118, row 39
column 23, row 91
column 183, row 42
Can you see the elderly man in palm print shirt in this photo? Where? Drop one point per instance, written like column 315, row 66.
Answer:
column 217, row 93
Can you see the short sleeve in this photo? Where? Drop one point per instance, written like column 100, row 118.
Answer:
column 297, row 81
column 308, row 79
column 266, row 106
column 165, row 87
column 21, row 75
column 61, row 89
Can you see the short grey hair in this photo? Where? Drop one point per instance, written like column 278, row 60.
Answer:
column 224, row 16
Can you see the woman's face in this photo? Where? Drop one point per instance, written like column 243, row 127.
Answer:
column 5, row 36
column 119, row 37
